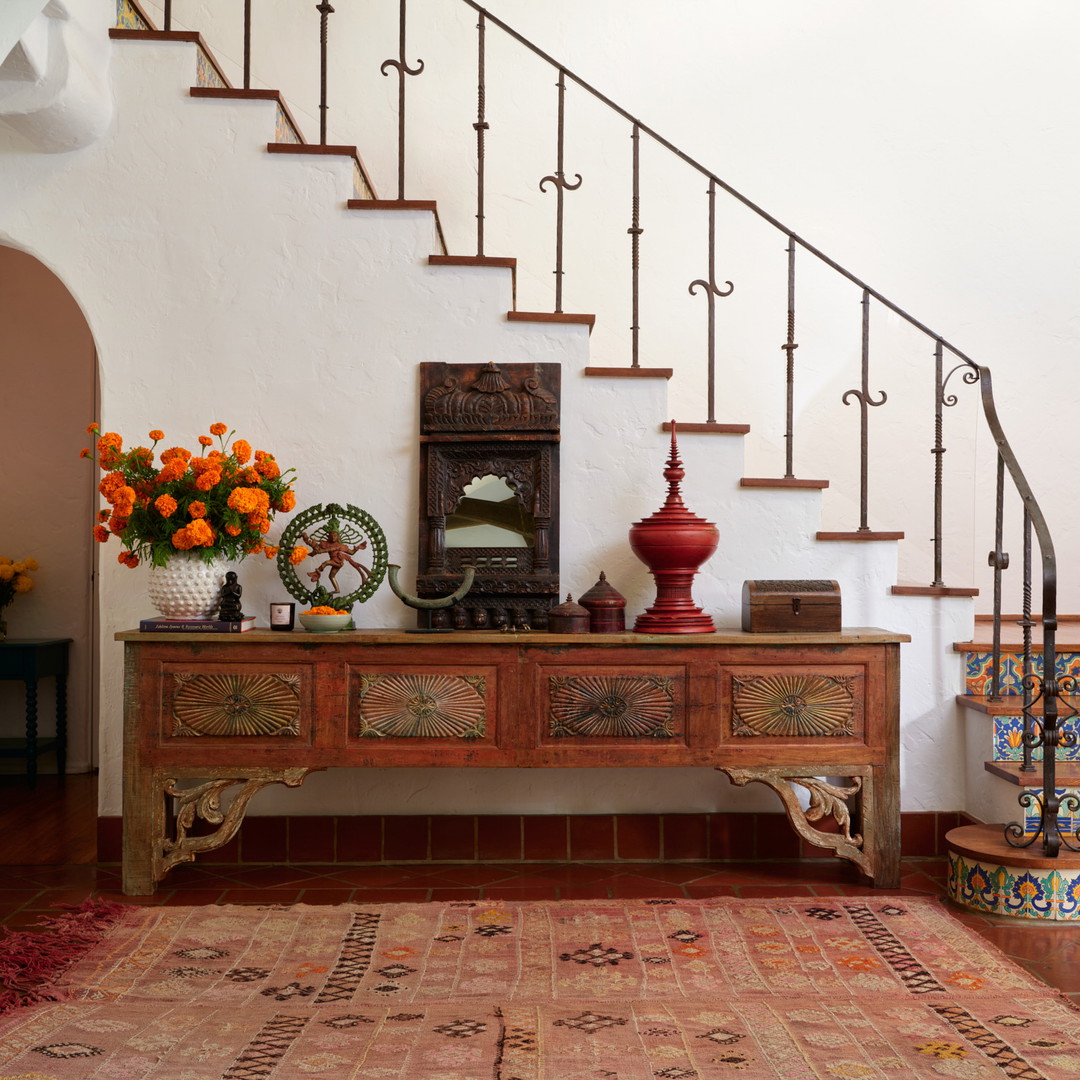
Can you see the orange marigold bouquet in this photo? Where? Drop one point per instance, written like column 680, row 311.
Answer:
column 217, row 502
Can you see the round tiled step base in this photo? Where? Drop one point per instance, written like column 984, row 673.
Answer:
column 988, row 874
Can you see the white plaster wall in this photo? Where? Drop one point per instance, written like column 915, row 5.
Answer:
column 223, row 284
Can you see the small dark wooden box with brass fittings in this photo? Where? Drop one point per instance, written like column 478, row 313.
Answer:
column 770, row 607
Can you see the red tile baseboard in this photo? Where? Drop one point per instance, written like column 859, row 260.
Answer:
column 515, row 838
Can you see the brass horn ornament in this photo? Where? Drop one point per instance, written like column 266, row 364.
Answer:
column 468, row 575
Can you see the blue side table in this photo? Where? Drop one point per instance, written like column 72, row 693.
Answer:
column 30, row 659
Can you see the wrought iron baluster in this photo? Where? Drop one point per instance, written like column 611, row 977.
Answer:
column 789, row 347
column 1050, row 742
column 401, row 66
column 999, row 560
column 561, row 185
column 247, row 44
column 635, row 232
column 325, row 11
column 866, row 402
column 942, row 401
column 166, row 17
column 712, row 291
column 1027, row 623
column 937, row 451
column 481, row 126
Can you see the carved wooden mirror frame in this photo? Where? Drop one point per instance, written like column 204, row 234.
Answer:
column 488, row 420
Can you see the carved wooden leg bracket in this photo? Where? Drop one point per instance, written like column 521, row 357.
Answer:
column 204, row 801
column 826, row 800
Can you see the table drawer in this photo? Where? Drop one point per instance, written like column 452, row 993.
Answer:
column 250, row 703
column 777, row 705
column 406, row 705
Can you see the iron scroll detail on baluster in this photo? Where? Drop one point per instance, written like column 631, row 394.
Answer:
column 561, row 185
column 402, row 67
column 712, row 291
column 943, row 401
column 866, row 401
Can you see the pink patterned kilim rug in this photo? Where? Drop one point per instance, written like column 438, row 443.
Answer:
column 852, row 988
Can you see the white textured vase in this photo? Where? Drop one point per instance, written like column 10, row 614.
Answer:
column 186, row 587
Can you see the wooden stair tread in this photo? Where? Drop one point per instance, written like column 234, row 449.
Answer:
column 1009, row 704
column 506, row 262
column 233, row 93
column 568, row 317
column 932, row 590
column 392, row 204
column 311, row 148
column 630, row 372
column 710, row 427
column 120, row 33
column 987, row 843
column 861, row 535
column 1067, row 773
column 781, row 482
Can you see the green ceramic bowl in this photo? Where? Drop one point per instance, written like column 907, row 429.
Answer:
column 323, row 624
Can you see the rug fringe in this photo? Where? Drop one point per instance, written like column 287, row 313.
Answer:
column 31, row 962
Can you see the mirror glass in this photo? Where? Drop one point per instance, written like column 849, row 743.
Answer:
column 489, row 514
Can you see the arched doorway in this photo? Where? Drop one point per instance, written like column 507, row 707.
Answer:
column 48, row 374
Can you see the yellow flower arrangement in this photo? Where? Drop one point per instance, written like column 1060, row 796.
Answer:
column 210, row 502
column 15, row 578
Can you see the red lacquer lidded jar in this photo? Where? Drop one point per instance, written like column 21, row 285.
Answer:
column 673, row 543
column 606, row 607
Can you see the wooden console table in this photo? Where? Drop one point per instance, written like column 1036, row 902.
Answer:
column 203, row 714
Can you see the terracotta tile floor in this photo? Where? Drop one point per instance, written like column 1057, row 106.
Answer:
column 55, row 826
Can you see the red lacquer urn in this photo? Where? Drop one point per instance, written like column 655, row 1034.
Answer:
column 673, row 543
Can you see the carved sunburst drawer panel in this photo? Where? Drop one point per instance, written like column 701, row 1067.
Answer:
column 620, row 705
column 798, row 705
column 247, row 702
column 419, row 704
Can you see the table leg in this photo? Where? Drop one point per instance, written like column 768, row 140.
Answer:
column 61, row 726
column 31, row 732
column 144, row 828
column 874, row 849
